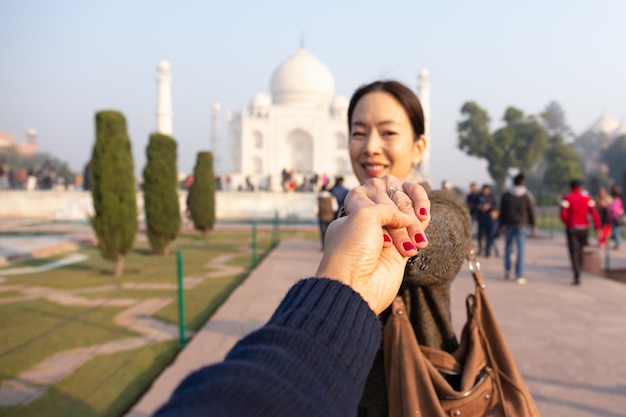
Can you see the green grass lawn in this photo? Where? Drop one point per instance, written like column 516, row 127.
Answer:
column 109, row 384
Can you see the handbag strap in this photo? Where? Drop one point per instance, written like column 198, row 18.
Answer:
column 474, row 267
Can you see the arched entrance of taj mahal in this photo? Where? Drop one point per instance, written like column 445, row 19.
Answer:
column 299, row 150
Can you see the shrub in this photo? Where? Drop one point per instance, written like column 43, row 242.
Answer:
column 202, row 194
column 113, row 189
column 160, row 193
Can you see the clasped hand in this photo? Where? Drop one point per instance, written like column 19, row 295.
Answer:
column 368, row 248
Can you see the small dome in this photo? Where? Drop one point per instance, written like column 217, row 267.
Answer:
column 620, row 131
column 605, row 125
column 339, row 105
column 261, row 100
column 303, row 80
column 261, row 104
column 424, row 73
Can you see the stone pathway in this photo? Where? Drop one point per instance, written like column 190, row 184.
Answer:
column 68, row 260
column 32, row 383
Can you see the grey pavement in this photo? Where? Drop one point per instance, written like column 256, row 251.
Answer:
column 569, row 341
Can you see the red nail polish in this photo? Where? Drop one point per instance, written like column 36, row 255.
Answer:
column 419, row 238
column 386, row 238
column 423, row 212
column 408, row 246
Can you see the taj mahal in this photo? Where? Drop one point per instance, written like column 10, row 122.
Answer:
column 300, row 126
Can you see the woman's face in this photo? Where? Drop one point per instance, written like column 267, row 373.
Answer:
column 382, row 140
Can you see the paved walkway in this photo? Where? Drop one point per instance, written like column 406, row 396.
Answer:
column 569, row 341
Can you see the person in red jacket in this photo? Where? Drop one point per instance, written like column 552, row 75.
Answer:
column 576, row 207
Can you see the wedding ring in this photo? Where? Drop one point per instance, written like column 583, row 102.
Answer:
column 393, row 188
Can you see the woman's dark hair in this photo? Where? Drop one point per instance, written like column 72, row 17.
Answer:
column 615, row 191
column 407, row 99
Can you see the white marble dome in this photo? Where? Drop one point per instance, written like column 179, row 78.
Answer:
column 261, row 100
column 261, row 104
column 303, row 80
column 620, row 131
column 605, row 125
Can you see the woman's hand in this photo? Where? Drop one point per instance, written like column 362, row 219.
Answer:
column 357, row 254
column 409, row 198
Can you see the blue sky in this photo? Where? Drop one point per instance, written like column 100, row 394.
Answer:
column 64, row 60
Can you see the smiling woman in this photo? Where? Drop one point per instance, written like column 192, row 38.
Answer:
column 387, row 138
column 386, row 125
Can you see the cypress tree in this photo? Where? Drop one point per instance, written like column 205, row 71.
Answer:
column 202, row 197
column 160, row 193
column 113, row 189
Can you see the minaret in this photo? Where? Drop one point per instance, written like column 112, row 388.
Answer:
column 164, row 99
column 423, row 92
column 216, row 118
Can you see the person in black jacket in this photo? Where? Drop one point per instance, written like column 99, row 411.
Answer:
column 472, row 200
column 313, row 356
column 486, row 203
column 517, row 218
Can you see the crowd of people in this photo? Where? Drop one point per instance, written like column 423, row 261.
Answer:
column 514, row 217
column 289, row 182
column 43, row 176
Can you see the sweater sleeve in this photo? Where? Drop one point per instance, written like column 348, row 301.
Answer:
column 310, row 359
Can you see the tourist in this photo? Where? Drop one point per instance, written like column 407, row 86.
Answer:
column 386, row 145
column 616, row 210
column 249, row 185
column 312, row 357
column 339, row 191
column 576, row 207
column 517, row 218
column 486, row 203
column 472, row 203
column 495, row 231
column 326, row 210
column 604, row 201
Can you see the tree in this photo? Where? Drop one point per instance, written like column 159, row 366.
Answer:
column 525, row 139
column 614, row 156
column 113, row 189
column 476, row 140
column 160, row 193
column 518, row 144
column 202, row 194
column 553, row 118
column 563, row 164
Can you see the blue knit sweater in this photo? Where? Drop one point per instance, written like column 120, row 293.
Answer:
column 310, row 359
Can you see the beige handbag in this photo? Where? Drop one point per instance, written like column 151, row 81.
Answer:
column 482, row 378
